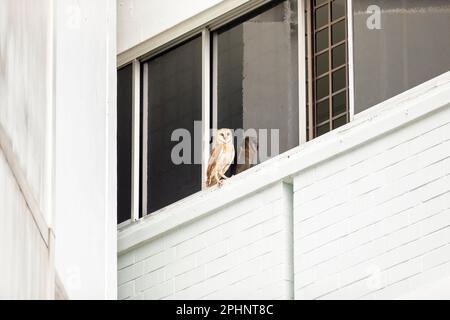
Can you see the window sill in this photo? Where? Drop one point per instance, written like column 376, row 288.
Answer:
column 371, row 124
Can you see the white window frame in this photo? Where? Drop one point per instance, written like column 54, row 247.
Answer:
column 204, row 24
column 350, row 72
column 206, row 101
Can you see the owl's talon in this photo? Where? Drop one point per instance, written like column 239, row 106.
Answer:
column 220, row 183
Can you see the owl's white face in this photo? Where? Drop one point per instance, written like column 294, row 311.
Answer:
column 224, row 136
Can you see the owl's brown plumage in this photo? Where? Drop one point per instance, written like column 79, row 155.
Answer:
column 248, row 155
column 222, row 156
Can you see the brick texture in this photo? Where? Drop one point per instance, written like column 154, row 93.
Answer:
column 241, row 251
column 370, row 221
column 374, row 223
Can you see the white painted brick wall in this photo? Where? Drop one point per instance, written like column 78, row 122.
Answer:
column 362, row 212
column 374, row 222
column 241, row 251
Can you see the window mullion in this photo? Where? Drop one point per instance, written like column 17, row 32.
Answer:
column 206, row 101
column 144, row 158
column 330, row 67
column 351, row 82
column 135, row 140
column 302, row 73
column 310, row 70
column 215, row 70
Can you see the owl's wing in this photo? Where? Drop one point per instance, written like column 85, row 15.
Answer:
column 213, row 160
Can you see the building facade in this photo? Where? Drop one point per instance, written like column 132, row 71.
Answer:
column 355, row 205
column 108, row 111
column 57, row 150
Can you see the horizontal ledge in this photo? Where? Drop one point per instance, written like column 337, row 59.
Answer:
column 369, row 125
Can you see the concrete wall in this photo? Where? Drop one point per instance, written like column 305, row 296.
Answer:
column 86, row 148
column 240, row 251
column 26, row 86
column 58, row 65
column 370, row 212
column 26, row 69
column 25, row 268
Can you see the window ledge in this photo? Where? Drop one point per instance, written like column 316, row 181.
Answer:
column 407, row 107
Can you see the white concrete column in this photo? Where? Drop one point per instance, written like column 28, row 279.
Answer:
column 86, row 148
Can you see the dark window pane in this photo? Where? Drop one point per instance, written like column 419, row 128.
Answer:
column 339, row 79
column 174, row 102
column 319, row 2
column 337, row 9
column 339, row 103
column 321, row 16
column 339, row 122
column 323, row 88
column 322, row 63
column 411, row 46
column 307, row 114
column 321, row 40
column 338, row 56
column 323, row 111
column 323, row 129
column 257, row 82
column 124, row 142
column 338, row 32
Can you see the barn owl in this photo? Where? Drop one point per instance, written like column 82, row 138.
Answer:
column 222, row 156
column 248, row 155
